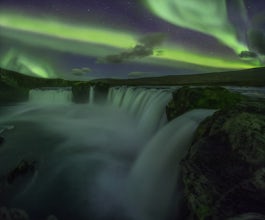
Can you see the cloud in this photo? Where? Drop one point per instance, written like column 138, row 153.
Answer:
column 257, row 40
column 145, row 47
column 248, row 54
column 81, row 71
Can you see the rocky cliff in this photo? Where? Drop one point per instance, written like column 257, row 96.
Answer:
column 224, row 170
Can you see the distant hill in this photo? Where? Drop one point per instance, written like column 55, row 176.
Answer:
column 15, row 80
column 249, row 77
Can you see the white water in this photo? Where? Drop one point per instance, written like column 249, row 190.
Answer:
column 91, row 95
column 113, row 161
column 50, row 96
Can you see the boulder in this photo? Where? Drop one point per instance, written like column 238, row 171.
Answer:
column 224, row 170
column 187, row 98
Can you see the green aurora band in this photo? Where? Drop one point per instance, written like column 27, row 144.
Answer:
column 99, row 41
column 207, row 16
column 29, row 65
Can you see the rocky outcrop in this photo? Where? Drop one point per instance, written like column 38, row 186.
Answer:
column 17, row 80
column 224, row 171
column 17, row 214
column 80, row 93
column 13, row 214
column 1, row 140
column 23, row 168
column 15, row 87
column 21, row 171
column 9, row 94
column 186, row 98
column 101, row 90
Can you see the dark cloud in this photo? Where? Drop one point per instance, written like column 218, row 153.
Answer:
column 144, row 48
column 248, row 54
column 81, row 71
column 257, row 40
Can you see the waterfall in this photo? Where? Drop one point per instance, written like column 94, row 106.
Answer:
column 50, row 96
column 147, row 105
column 153, row 180
column 113, row 160
column 91, row 94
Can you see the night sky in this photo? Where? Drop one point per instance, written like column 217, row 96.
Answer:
column 86, row 39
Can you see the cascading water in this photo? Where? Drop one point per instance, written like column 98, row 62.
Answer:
column 91, row 95
column 117, row 160
column 50, row 96
column 146, row 105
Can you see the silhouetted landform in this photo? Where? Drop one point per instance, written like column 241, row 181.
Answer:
column 249, row 77
column 15, row 80
column 224, row 170
column 15, row 87
column 12, row 94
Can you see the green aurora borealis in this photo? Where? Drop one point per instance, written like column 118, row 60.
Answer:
column 57, row 34
column 209, row 18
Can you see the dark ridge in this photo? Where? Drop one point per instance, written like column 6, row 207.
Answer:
column 249, row 77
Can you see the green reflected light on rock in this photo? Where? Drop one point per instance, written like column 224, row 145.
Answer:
column 207, row 16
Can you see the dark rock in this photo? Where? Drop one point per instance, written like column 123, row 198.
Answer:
column 1, row 140
column 13, row 214
column 23, row 168
column 18, row 214
column 224, row 171
column 186, row 98
column 101, row 90
column 80, row 93
column 4, row 214
column 18, row 80
column 9, row 94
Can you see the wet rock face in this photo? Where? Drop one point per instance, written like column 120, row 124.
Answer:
column 1, row 140
column 80, row 93
column 186, row 98
column 101, row 92
column 224, row 171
